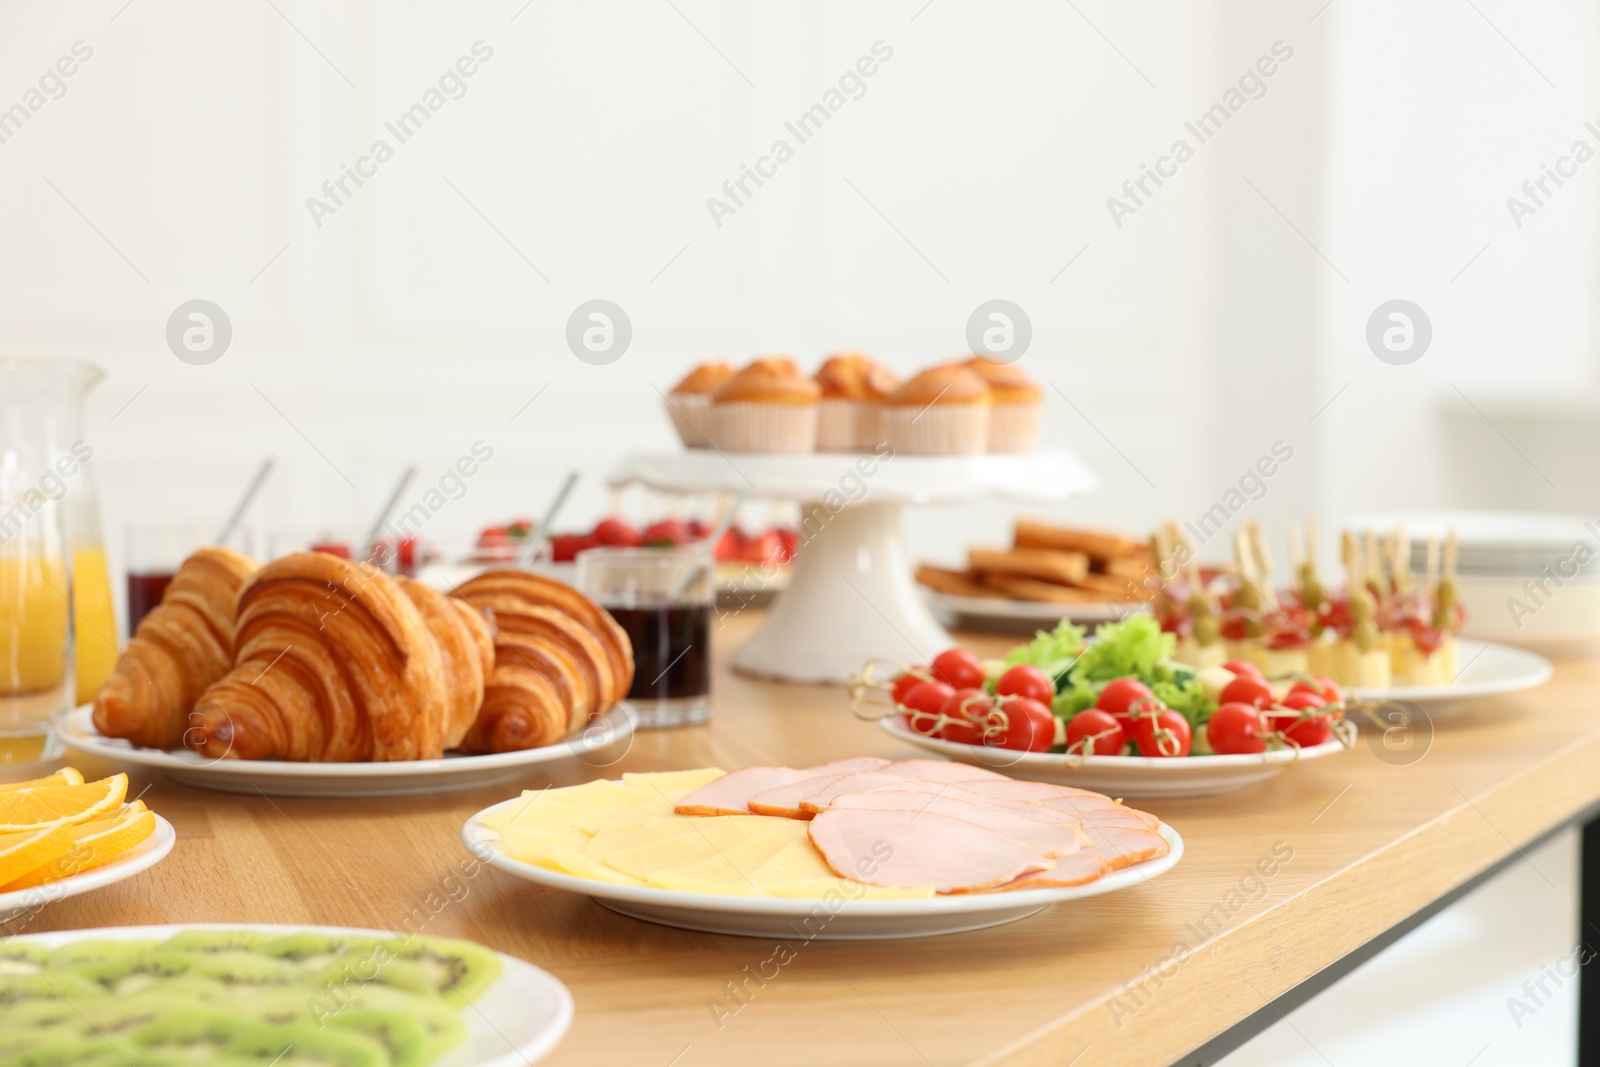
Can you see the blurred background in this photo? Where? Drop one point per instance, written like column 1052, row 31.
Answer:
column 1176, row 343
column 1177, row 336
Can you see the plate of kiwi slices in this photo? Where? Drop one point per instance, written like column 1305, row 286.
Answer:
column 151, row 996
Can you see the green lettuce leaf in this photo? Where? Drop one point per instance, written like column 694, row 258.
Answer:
column 1135, row 646
column 1052, row 651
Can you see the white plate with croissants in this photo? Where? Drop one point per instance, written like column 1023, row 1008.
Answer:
column 316, row 676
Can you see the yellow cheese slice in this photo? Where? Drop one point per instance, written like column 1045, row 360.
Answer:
column 642, row 861
column 673, row 786
column 584, row 808
column 556, row 852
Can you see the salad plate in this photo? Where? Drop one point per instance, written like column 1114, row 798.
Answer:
column 1120, row 776
column 600, row 743
column 146, row 854
column 516, row 1021
column 827, row 918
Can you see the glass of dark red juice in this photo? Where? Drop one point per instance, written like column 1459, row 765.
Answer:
column 662, row 598
column 154, row 554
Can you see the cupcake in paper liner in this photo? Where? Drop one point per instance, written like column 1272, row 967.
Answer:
column 689, row 402
column 768, row 406
column 1014, row 424
column 944, row 411
column 849, row 413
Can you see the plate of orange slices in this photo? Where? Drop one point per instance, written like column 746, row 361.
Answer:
column 61, row 836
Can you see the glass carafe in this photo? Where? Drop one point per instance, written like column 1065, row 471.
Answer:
column 52, row 557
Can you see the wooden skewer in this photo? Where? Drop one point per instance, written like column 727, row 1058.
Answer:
column 1431, row 577
column 1450, row 555
column 1371, row 566
column 1296, row 551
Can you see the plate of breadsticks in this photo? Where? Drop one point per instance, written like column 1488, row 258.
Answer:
column 1050, row 572
column 317, row 676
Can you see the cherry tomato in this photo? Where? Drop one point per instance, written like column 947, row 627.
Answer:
column 1239, row 666
column 1024, row 680
column 923, row 702
column 908, row 681
column 1119, row 694
column 958, row 667
column 1301, row 700
column 1093, row 732
column 1320, row 686
column 615, row 532
column 965, row 711
column 1308, row 733
column 1234, row 729
column 1163, row 733
column 1247, row 689
column 1028, row 725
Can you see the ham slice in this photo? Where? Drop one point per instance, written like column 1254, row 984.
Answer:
column 1063, row 798
column 850, row 783
column 909, row 849
column 939, row 770
column 849, row 765
column 730, row 794
column 1080, row 868
column 1050, row 839
column 1123, row 847
column 784, row 800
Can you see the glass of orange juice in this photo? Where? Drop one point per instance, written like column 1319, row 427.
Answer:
column 37, row 662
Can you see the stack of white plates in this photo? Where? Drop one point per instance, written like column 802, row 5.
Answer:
column 1527, row 578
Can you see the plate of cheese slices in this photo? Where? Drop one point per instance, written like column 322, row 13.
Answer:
column 857, row 849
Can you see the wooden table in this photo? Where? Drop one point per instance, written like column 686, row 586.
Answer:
column 1143, row 976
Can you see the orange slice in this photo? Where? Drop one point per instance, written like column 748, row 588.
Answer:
column 92, row 844
column 65, row 776
column 35, row 806
column 23, row 853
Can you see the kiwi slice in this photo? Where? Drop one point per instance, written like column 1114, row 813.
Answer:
column 17, row 957
column 303, row 1045
column 202, row 942
column 443, row 1022
column 36, row 1022
column 317, row 952
column 194, row 1034
column 454, row 967
column 22, row 988
column 71, row 955
column 342, row 980
column 135, row 973
column 237, row 968
column 66, row 1052
column 404, row 1038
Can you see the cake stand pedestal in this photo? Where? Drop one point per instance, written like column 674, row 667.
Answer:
column 851, row 596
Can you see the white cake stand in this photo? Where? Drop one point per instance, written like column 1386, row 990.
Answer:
column 851, row 596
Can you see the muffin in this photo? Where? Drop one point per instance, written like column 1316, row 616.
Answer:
column 768, row 406
column 853, row 388
column 1014, row 424
column 689, row 400
column 944, row 411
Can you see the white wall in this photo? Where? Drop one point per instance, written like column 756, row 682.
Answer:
column 407, row 326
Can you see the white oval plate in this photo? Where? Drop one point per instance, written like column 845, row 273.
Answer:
column 598, row 744
column 149, row 852
column 1120, row 776
column 1485, row 669
column 821, row 919
column 516, row 1021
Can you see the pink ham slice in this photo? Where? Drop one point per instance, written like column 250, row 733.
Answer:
column 851, row 783
column 1122, row 846
column 784, row 800
column 730, row 794
column 908, row 848
column 1048, row 839
column 1081, row 868
column 1063, row 798
column 938, row 770
column 1024, row 808
column 849, row 765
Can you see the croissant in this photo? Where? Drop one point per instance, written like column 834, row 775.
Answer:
column 467, row 653
column 180, row 648
column 559, row 660
column 333, row 663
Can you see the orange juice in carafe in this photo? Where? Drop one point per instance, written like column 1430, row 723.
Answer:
column 94, row 623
